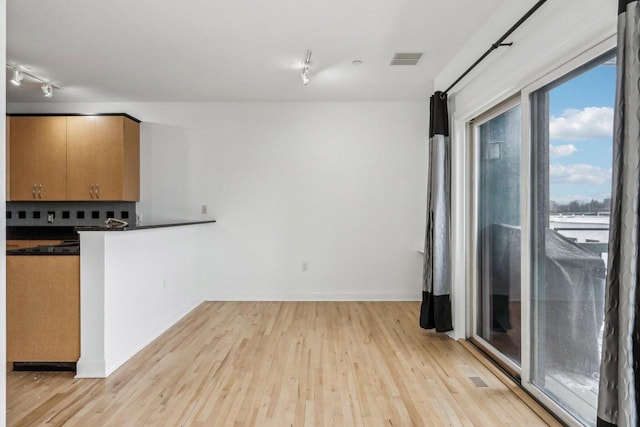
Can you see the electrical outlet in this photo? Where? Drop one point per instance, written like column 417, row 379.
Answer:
column 305, row 265
column 204, row 210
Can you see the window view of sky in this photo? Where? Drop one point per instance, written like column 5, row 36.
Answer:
column 581, row 132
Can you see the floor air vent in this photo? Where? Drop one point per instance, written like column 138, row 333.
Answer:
column 478, row 382
column 471, row 373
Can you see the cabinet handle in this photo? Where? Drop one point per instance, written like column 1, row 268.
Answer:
column 91, row 191
column 33, row 191
column 40, row 191
column 97, row 191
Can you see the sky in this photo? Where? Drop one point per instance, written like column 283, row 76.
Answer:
column 581, row 132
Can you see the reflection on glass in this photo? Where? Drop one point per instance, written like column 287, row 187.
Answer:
column 573, row 139
column 499, row 232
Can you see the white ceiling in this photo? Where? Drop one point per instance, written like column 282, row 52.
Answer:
column 235, row 50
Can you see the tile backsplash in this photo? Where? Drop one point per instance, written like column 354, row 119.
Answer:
column 72, row 214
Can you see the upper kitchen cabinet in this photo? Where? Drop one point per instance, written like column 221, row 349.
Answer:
column 74, row 158
column 38, row 158
column 103, row 158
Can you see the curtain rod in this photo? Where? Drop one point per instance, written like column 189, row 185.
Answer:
column 498, row 43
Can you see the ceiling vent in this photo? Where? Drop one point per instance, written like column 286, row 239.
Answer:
column 406, row 58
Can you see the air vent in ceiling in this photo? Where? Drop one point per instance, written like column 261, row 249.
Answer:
column 406, row 58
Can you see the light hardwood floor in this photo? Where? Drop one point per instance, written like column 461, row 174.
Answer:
column 281, row 364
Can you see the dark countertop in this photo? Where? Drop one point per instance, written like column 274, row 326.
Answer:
column 134, row 227
column 41, row 233
column 72, row 246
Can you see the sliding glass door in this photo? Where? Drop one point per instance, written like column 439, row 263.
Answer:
column 497, row 233
column 572, row 147
column 538, row 232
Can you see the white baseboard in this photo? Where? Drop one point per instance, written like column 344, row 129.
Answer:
column 90, row 368
column 315, row 296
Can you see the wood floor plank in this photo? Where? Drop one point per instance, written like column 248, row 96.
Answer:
column 282, row 364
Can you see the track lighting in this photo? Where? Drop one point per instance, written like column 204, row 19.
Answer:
column 19, row 74
column 47, row 90
column 17, row 77
column 305, row 73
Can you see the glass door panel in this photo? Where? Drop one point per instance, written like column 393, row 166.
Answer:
column 498, row 232
column 572, row 142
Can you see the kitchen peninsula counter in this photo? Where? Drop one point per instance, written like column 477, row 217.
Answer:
column 135, row 283
column 144, row 226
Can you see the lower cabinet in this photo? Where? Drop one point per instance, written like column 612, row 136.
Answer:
column 43, row 308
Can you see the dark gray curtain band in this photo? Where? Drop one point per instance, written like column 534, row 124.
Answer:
column 622, row 5
column 439, row 115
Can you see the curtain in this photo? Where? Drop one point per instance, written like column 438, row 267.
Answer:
column 619, row 371
column 435, row 311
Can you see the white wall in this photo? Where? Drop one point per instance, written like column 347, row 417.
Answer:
column 339, row 185
column 558, row 32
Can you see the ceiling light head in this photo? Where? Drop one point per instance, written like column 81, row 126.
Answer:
column 47, row 90
column 17, row 77
column 305, row 74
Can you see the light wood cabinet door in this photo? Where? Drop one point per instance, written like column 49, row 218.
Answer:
column 51, row 144
column 37, row 166
column 81, row 157
column 7, row 157
column 110, row 157
column 23, row 163
column 118, row 158
column 131, row 160
column 43, row 308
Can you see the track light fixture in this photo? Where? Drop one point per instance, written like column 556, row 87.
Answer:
column 17, row 77
column 19, row 74
column 47, row 90
column 305, row 73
